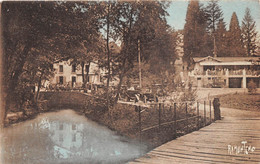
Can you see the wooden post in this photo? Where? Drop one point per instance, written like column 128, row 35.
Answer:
column 139, row 64
column 210, row 111
column 186, row 111
column 175, row 121
column 204, row 113
column 140, row 124
column 198, row 115
column 160, row 108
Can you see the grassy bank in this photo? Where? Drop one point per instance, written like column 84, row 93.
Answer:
column 124, row 119
column 242, row 101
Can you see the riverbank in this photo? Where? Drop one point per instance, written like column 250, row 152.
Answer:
column 122, row 118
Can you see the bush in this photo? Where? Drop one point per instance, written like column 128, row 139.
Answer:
column 252, row 88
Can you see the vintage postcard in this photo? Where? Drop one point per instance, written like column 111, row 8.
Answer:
column 89, row 82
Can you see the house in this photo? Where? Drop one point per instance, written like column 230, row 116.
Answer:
column 70, row 75
column 231, row 72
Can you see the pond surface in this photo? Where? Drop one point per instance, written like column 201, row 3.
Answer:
column 66, row 137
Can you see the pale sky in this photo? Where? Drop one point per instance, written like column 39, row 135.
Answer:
column 178, row 9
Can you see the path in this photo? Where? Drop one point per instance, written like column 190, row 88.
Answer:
column 210, row 144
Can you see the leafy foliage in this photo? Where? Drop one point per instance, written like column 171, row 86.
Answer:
column 38, row 34
column 252, row 88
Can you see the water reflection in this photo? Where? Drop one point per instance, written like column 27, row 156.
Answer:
column 64, row 136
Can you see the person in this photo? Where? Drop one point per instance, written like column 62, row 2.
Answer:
column 216, row 105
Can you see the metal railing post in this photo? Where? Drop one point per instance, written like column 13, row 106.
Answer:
column 159, row 121
column 210, row 111
column 175, row 121
column 205, row 113
column 140, row 124
column 198, row 116
column 186, row 111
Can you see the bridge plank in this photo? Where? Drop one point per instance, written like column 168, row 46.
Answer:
column 210, row 144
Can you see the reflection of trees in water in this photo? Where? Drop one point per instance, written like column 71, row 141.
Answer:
column 37, row 141
column 27, row 144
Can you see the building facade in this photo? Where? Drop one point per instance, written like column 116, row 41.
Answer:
column 70, row 75
column 230, row 72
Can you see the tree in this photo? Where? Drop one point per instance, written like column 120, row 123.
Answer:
column 23, row 33
column 249, row 33
column 195, row 34
column 221, row 39
column 133, row 21
column 214, row 15
column 44, row 32
column 234, row 38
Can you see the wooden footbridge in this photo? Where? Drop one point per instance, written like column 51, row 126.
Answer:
column 234, row 139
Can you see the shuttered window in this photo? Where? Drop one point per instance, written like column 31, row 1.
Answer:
column 61, row 68
column 73, row 68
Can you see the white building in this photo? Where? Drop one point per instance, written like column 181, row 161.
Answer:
column 67, row 74
column 231, row 72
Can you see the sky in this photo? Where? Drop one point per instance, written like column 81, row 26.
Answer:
column 178, row 8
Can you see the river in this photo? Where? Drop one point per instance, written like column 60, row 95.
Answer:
column 65, row 137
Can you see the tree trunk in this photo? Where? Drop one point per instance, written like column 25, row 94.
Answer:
column 87, row 73
column 14, row 79
column 38, row 89
column 82, row 74
column 121, row 77
column 108, row 55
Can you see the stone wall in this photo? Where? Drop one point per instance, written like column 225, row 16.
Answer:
column 71, row 100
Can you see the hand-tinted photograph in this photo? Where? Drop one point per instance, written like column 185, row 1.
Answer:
column 115, row 82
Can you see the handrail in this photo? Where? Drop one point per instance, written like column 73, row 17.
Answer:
column 170, row 122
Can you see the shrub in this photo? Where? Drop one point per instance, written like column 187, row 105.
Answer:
column 252, row 87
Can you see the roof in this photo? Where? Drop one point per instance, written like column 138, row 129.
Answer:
column 227, row 59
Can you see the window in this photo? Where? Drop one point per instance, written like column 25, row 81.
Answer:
column 199, row 78
column 61, row 68
column 205, row 68
column 61, row 127
column 61, row 79
column 73, row 68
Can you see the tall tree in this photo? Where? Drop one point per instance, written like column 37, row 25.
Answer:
column 45, row 32
column 221, row 39
column 195, row 34
column 234, row 38
column 249, row 33
column 134, row 21
column 214, row 15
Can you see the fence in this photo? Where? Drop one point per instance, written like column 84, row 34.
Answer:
column 178, row 121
